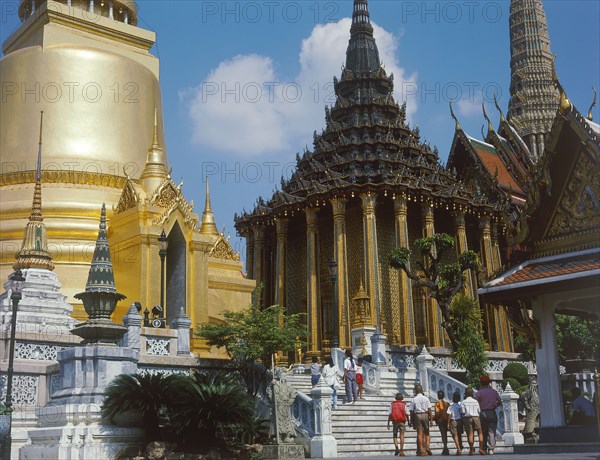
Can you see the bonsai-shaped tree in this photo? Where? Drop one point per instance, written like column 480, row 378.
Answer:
column 251, row 337
column 442, row 280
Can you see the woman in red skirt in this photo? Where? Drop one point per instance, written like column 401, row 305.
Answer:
column 359, row 377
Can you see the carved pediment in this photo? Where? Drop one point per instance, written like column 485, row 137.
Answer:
column 129, row 198
column 579, row 206
column 223, row 250
column 165, row 195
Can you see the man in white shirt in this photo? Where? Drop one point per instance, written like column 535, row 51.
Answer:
column 421, row 421
column 470, row 416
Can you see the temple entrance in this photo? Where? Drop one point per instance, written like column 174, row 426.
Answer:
column 176, row 274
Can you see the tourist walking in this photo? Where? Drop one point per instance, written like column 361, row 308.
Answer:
column 315, row 371
column 330, row 373
column 397, row 415
column 455, row 422
column 350, row 378
column 441, row 419
column 360, row 377
column 470, row 416
column 421, row 421
column 488, row 400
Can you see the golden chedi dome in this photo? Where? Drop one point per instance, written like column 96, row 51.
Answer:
column 89, row 69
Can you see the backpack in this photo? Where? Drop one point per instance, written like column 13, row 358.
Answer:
column 398, row 412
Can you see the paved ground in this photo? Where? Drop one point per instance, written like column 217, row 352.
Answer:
column 569, row 456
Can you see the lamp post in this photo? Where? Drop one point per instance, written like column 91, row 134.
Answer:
column 16, row 286
column 333, row 272
column 163, row 244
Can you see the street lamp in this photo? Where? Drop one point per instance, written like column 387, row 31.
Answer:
column 16, row 286
column 333, row 272
column 163, row 244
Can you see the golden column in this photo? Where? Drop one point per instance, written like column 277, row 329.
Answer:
column 461, row 246
column 407, row 328
column 486, row 245
column 281, row 228
column 339, row 252
column 259, row 252
column 502, row 329
column 249, row 254
column 369, row 201
column 312, row 307
column 434, row 316
column 496, row 259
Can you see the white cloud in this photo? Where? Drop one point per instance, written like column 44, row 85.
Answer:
column 468, row 107
column 243, row 108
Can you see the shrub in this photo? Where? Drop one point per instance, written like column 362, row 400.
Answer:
column 518, row 372
column 521, row 389
column 514, row 384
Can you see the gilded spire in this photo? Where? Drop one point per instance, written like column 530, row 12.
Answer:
column 154, row 172
column 533, row 102
column 362, row 55
column 208, row 226
column 34, row 250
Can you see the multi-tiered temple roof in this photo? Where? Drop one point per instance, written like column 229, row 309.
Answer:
column 367, row 143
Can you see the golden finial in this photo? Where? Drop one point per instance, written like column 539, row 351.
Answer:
column 154, row 171
column 155, row 144
column 208, row 226
column 485, row 115
column 454, row 117
column 564, row 103
column 590, row 114
column 34, row 250
column 498, row 108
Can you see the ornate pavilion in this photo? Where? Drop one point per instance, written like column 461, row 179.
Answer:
column 370, row 184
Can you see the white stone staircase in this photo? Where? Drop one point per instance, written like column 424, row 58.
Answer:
column 361, row 428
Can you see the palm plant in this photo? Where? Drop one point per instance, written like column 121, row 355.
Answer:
column 213, row 405
column 145, row 395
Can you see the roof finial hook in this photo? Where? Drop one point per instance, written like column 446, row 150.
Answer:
column 454, row 117
column 498, row 107
column 590, row 114
column 485, row 115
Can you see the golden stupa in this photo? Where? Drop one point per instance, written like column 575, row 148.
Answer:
column 88, row 66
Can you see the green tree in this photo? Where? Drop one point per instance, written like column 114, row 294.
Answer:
column 442, row 280
column 577, row 338
column 253, row 336
column 466, row 321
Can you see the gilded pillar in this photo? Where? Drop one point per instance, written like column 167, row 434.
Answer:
column 461, row 246
column 250, row 254
column 486, row 245
column 435, row 331
column 339, row 253
column 259, row 253
column 407, row 326
column 369, row 201
column 496, row 259
column 281, row 228
column 503, row 330
column 312, row 298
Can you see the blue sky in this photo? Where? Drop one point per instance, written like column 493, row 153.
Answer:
column 245, row 83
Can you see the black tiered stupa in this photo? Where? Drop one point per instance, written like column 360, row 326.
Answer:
column 100, row 297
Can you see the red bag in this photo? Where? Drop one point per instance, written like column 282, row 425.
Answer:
column 398, row 412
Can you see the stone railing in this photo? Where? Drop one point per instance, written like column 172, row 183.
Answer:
column 434, row 379
column 303, row 413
